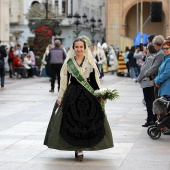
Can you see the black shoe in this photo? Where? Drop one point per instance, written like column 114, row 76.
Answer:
column 51, row 90
column 80, row 156
column 148, row 124
column 76, row 154
column 167, row 132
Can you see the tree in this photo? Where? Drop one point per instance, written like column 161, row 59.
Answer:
column 43, row 36
column 44, row 24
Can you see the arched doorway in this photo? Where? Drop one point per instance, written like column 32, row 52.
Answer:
column 133, row 24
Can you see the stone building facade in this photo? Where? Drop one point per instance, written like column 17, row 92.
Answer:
column 123, row 19
column 15, row 16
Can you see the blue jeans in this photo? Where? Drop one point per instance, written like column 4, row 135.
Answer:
column 2, row 75
column 36, row 71
column 132, row 72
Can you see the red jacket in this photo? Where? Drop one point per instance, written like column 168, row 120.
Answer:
column 16, row 62
column 11, row 55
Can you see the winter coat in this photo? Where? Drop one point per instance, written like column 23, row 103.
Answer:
column 163, row 77
column 132, row 60
column 142, row 79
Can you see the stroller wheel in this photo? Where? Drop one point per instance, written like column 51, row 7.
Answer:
column 149, row 128
column 154, row 133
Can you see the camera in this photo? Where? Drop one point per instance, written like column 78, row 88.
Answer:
column 141, row 46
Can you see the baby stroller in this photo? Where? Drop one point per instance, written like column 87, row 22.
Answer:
column 160, row 105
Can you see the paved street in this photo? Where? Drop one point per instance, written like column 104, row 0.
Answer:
column 25, row 109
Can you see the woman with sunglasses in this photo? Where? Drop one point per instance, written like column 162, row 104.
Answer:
column 162, row 81
column 80, row 123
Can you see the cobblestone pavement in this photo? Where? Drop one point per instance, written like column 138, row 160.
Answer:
column 25, row 110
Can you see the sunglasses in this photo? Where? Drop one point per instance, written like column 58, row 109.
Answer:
column 165, row 49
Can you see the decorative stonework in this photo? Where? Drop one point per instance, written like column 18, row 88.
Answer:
column 39, row 11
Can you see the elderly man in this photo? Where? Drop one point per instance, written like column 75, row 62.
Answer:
column 153, row 70
column 56, row 59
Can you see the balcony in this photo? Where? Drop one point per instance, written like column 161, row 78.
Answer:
column 14, row 19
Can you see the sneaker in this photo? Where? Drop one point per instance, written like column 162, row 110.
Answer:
column 51, row 90
column 79, row 156
column 2, row 88
column 133, row 79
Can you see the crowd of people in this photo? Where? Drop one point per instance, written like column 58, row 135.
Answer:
column 22, row 62
column 149, row 65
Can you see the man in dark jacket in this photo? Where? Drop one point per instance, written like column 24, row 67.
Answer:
column 3, row 54
column 56, row 59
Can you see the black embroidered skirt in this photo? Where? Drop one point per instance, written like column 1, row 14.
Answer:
column 79, row 123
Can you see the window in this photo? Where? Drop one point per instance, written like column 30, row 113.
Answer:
column 64, row 6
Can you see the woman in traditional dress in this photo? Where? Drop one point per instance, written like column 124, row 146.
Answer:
column 45, row 69
column 80, row 123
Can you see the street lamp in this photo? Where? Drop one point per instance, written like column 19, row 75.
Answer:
column 85, row 20
column 99, row 22
column 77, row 23
column 92, row 20
column 93, row 26
column 46, row 8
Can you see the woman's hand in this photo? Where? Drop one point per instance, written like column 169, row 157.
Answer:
column 58, row 102
column 101, row 100
column 158, row 85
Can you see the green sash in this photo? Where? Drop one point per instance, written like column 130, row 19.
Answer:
column 79, row 77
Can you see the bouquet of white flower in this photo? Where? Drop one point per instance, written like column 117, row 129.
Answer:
column 104, row 94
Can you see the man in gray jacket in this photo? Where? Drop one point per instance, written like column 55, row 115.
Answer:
column 56, row 59
column 153, row 70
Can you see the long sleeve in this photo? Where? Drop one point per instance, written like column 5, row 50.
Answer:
column 164, row 73
column 157, row 62
column 63, row 81
column 145, row 67
column 11, row 55
column 32, row 56
column 93, row 82
column 138, row 56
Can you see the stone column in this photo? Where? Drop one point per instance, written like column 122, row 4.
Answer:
column 166, row 6
column 69, row 7
column 113, row 22
column 4, row 23
column 60, row 6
